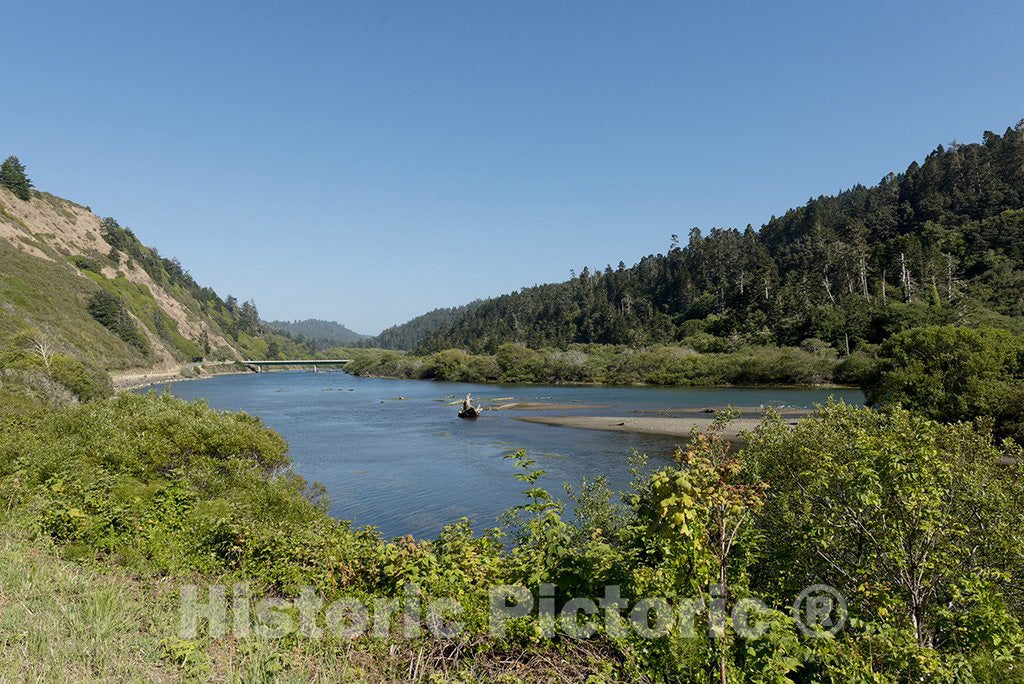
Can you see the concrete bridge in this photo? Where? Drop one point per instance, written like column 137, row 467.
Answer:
column 263, row 366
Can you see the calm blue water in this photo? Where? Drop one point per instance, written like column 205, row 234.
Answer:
column 411, row 466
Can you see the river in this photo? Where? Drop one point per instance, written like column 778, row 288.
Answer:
column 409, row 466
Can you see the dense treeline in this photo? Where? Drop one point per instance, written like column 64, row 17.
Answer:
column 942, row 242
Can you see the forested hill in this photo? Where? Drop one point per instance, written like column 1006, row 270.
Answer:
column 318, row 331
column 942, row 242
column 424, row 327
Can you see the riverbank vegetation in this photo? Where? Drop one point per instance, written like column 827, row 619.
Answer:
column 814, row 363
column 915, row 522
column 953, row 373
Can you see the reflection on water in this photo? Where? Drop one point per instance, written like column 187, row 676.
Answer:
column 409, row 466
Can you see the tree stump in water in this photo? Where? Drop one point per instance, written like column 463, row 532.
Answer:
column 468, row 410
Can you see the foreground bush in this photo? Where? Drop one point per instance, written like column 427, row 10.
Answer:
column 953, row 373
column 34, row 375
column 916, row 523
column 165, row 486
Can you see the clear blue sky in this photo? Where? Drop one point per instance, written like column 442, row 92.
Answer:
column 368, row 161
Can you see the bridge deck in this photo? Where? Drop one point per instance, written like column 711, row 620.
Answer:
column 295, row 362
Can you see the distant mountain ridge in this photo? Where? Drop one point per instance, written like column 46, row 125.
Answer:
column 319, row 330
column 423, row 327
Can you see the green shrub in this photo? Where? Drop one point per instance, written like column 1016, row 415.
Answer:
column 704, row 342
column 914, row 522
column 519, row 363
column 86, row 381
column 785, row 366
column 87, row 264
column 952, row 373
column 110, row 311
column 855, row 369
column 482, row 368
column 143, row 477
column 450, row 365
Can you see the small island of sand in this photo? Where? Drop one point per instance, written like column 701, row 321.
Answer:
column 666, row 425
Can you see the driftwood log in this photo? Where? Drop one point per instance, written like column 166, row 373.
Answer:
column 468, row 410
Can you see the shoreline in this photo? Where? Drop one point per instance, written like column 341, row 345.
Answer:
column 656, row 425
column 570, row 383
column 130, row 381
column 137, row 380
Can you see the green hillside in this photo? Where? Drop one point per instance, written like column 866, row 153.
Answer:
column 88, row 288
column 940, row 243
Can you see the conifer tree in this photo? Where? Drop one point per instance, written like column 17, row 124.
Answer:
column 12, row 177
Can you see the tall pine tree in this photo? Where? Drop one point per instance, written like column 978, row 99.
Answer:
column 12, row 177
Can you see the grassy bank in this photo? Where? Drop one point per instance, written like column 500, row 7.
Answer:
column 69, row 621
column 620, row 365
column 62, row 313
column 86, row 621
